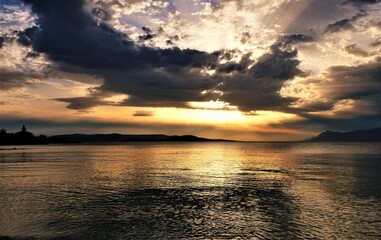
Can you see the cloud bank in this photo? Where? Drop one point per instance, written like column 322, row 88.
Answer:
column 322, row 67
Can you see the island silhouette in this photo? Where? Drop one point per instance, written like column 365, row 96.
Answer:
column 24, row 137
column 115, row 137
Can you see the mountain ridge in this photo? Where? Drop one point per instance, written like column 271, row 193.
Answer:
column 116, row 137
column 371, row 135
column 24, row 137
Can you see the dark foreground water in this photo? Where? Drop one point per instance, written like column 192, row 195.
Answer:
column 191, row 191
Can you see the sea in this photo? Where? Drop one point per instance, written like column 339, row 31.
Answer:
column 204, row 190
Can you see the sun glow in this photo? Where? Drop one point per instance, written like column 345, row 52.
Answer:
column 216, row 105
column 232, row 119
column 116, row 98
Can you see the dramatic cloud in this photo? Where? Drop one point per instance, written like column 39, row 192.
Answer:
column 353, row 49
column 20, row 66
column 11, row 79
column 344, row 92
column 15, row 17
column 353, row 82
column 315, row 61
column 79, row 103
column 345, row 24
column 259, row 86
column 156, row 77
column 363, row 2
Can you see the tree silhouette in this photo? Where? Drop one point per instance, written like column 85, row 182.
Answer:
column 21, row 138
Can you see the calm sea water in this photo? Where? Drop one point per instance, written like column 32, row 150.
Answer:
column 191, row 191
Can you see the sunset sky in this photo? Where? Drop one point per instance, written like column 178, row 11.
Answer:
column 235, row 69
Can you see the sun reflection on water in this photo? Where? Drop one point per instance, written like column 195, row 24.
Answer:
column 192, row 190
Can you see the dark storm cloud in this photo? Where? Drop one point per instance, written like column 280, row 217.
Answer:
column 82, row 103
column 143, row 114
column 15, row 79
column 95, row 97
column 353, row 49
column 295, row 38
column 362, row 2
column 259, row 86
column 248, row 88
column 278, row 65
column 68, row 34
column 228, row 67
column 316, row 107
column 158, row 87
column 345, row 24
column 148, row 34
column 147, row 37
column 361, row 84
column 283, row 49
column 71, row 37
column 25, row 37
column 354, row 82
column 153, row 102
column 320, row 123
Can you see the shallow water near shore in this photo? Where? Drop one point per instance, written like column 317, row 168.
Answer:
column 214, row 190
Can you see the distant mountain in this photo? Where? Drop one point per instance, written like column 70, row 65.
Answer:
column 94, row 138
column 373, row 135
column 24, row 137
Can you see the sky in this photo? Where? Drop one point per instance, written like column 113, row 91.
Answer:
column 279, row 70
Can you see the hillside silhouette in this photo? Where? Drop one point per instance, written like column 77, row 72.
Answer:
column 373, row 135
column 93, row 138
column 24, row 137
